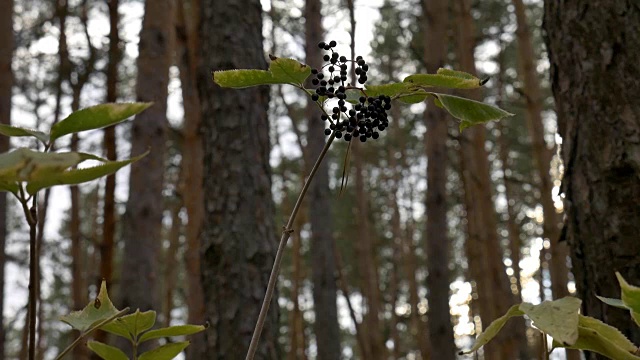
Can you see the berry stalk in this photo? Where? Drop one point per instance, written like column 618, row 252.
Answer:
column 275, row 270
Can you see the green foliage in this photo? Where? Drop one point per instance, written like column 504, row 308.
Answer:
column 562, row 321
column 412, row 90
column 101, row 313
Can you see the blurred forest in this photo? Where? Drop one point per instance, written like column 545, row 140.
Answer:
column 436, row 233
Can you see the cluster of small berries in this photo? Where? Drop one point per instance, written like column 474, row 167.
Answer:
column 365, row 118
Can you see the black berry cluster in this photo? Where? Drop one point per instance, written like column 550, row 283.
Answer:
column 363, row 120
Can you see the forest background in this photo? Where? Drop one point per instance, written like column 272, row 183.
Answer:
column 435, row 235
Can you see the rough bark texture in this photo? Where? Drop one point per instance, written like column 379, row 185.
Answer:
column 594, row 47
column 238, row 242
column 192, row 163
column 6, row 83
column 143, row 216
column 323, row 265
column 482, row 247
column 437, row 241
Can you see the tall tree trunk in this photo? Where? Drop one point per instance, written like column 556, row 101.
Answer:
column 238, row 243
column 143, row 216
column 6, row 84
column 437, row 240
column 542, row 158
column 323, row 266
column 192, row 164
column 594, row 52
column 483, row 249
column 170, row 262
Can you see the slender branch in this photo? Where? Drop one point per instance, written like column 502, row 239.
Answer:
column 89, row 331
column 286, row 232
column 32, row 218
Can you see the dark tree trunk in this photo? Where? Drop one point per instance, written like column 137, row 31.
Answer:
column 238, row 235
column 594, row 49
column 6, row 83
column 143, row 217
column 437, row 242
column 323, row 266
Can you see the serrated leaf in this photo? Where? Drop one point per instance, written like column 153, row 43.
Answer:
column 445, row 78
column 106, row 352
column 132, row 325
column 96, row 117
column 25, row 164
column 15, row 131
column 281, row 71
column 558, row 318
column 164, row 352
column 403, row 92
column 596, row 336
column 179, row 330
column 493, row 329
column 613, row 302
column 630, row 294
column 79, row 176
column 470, row 112
column 97, row 310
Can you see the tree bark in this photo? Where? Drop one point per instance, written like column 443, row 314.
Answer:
column 483, row 249
column 192, row 165
column 143, row 217
column 437, row 239
column 238, row 242
column 594, row 50
column 323, row 266
column 6, row 84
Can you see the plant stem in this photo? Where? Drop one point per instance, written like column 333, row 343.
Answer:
column 275, row 270
column 32, row 219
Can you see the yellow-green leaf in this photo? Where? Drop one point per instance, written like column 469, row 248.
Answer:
column 106, row 352
column 164, row 352
column 404, row 92
column 558, row 318
column 9, row 130
column 630, row 294
column 132, row 325
column 179, row 330
column 78, row 176
column 596, row 336
column 25, row 164
column 96, row 117
column 281, row 71
column 493, row 329
column 470, row 112
column 445, row 78
column 101, row 308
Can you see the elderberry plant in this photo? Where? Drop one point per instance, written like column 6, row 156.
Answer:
column 359, row 112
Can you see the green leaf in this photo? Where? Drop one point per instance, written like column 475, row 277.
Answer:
column 558, row 318
column 132, row 325
column 445, row 78
column 97, row 310
column 96, row 117
column 470, row 112
column 8, row 130
column 25, row 164
column 493, row 329
column 404, row 92
column 596, row 336
column 11, row 187
column 179, row 330
column 281, row 71
column 630, row 294
column 78, row 176
column 106, row 352
column 613, row 302
column 164, row 352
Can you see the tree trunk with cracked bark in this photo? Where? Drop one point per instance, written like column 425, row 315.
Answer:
column 594, row 50
column 238, row 240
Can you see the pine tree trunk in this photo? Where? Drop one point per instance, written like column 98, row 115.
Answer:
column 437, row 242
column 142, row 222
column 594, row 52
column 326, row 326
column 238, row 242
column 483, row 249
column 6, row 83
column 192, row 165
